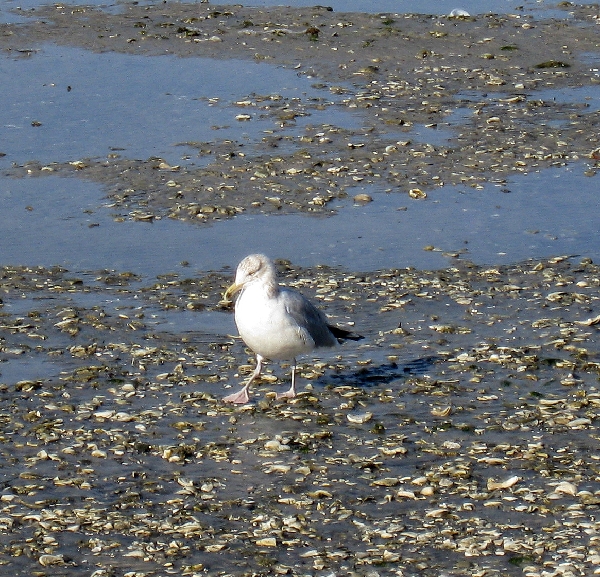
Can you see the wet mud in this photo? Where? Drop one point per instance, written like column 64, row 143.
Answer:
column 460, row 437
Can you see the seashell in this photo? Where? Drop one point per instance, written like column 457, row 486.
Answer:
column 386, row 482
column 579, row 423
column 108, row 414
column 436, row 513
column 556, row 296
column 493, row 485
column 417, row 193
column 360, row 419
column 566, row 488
column 458, row 12
column 267, row 542
column 46, row 560
column 273, row 445
column 404, row 494
column 320, row 494
column 441, row 411
column 590, row 322
column 276, row 468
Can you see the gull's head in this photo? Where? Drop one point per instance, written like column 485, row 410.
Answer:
column 254, row 268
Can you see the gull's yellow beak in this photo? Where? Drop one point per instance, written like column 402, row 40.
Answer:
column 231, row 290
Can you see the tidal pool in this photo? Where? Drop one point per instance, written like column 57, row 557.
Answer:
column 61, row 221
column 66, row 103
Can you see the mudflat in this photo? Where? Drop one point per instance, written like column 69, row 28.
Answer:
column 459, row 438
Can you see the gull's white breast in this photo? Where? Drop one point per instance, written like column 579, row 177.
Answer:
column 265, row 325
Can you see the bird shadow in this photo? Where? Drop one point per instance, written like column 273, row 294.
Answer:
column 380, row 374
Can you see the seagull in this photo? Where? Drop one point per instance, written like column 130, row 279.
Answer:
column 276, row 322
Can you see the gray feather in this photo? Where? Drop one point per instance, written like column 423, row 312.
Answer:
column 308, row 317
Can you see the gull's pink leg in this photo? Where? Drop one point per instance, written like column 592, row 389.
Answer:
column 241, row 396
column 291, row 392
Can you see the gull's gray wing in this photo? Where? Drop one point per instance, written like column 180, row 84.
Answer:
column 308, row 318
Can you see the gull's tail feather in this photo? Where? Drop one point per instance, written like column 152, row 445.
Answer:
column 344, row 335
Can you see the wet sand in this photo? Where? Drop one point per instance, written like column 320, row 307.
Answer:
column 460, row 438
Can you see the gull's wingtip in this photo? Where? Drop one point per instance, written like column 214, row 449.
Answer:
column 343, row 334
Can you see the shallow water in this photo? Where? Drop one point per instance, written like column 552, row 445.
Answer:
column 584, row 98
column 140, row 106
column 58, row 221
column 91, row 104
